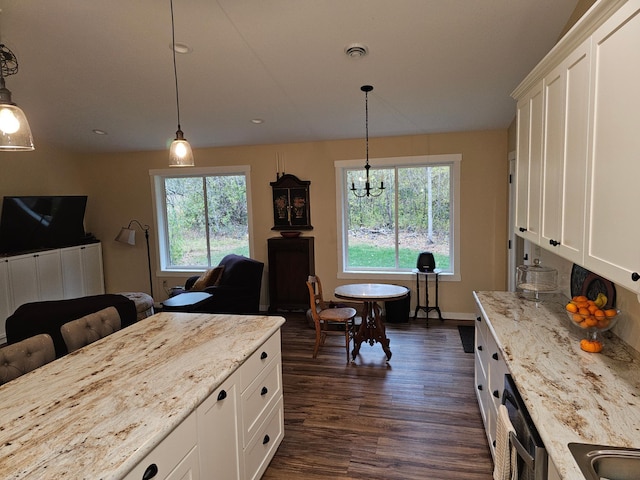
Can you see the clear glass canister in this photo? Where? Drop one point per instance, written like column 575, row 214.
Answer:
column 536, row 278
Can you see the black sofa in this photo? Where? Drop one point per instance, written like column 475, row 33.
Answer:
column 238, row 290
column 47, row 317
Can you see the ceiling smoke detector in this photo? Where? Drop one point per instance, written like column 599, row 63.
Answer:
column 356, row 50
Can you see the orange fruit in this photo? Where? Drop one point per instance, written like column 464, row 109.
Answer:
column 599, row 314
column 591, row 321
column 583, row 311
column 592, row 309
column 580, row 298
column 591, row 346
column 571, row 307
column 577, row 318
column 583, row 324
column 611, row 312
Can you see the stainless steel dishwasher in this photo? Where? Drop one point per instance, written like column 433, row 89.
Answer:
column 532, row 456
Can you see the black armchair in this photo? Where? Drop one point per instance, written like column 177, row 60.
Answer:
column 237, row 291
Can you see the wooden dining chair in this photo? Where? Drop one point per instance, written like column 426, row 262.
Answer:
column 324, row 317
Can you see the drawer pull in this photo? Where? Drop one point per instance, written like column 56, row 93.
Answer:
column 480, row 387
column 263, row 356
column 496, row 393
column 495, row 356
column 522, row 229
column 150, row 472
column 479, row 319
column 635, row 276
column 265, row 440
column 222, row 395
column 480, row 347
column 264, row 391
column 554, row 243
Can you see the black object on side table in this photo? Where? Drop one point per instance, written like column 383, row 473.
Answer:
column 426, row 307
column 185, row 302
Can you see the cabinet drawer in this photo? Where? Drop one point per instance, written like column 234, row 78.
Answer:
column 168, row 454
column 263, row 446
column 260, row 359
column 259, row 398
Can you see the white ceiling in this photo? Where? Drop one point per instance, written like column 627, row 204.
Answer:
column 436, row 66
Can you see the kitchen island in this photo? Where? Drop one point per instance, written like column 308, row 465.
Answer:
column 571, row 395
column 99, row 412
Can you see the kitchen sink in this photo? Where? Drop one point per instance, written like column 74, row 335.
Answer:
column 605, row 462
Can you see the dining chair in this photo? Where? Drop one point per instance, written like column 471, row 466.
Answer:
column 90, row 328
column 324, row 317
column 24, row 356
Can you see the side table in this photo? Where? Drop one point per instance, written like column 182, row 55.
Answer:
column 426, row 307
column 185, row 302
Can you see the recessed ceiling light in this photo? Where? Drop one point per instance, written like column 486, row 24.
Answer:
column 356, row 50
column 257, row 121
column 97, row 131
column 182, row 48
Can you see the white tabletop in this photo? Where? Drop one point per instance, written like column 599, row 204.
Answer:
column 370, row 291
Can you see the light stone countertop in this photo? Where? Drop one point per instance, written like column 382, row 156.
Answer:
column 571, row 395
column 99, row 411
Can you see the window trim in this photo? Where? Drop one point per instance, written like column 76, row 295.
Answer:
column 158, row 201
column 341, row 166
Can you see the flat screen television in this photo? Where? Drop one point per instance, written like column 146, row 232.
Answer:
column 41, row 222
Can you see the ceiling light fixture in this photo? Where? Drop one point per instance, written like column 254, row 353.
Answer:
column 366, row 192
column 180, row 154
column 15, row 134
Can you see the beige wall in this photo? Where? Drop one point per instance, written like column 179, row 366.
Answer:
column 120, row 190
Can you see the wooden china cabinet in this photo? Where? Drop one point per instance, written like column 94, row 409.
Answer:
column 291, row 261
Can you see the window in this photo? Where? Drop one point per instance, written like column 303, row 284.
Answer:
column 201, row 216
column 417, row 211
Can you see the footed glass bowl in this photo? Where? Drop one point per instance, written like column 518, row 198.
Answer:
column 593, row 325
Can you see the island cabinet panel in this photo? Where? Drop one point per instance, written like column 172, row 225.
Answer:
column 291, row 261
column 218, row 432
column 176, row 457
column 490, row 369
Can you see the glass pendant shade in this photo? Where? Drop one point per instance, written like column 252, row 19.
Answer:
column 15, row 134
column 180, row 154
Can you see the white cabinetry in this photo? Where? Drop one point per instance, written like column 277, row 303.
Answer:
column 566, row 129
column 175, row 458
column 613, row 225
column 49, row 275
column 529, row 164
column 82, row 273
column 235, row 431
column 490, row 369
column 588, row 85
column 35, row 277
column 219, row 432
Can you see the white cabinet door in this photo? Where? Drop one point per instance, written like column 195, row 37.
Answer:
column 35, row 277
column 92, row 269
column 529, row 164
column 219, row 432
column 82, row 270
column 613, row 226
column 49, row 271
column 565, row 155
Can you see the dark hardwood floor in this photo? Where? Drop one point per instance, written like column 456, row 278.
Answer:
column 414, row 418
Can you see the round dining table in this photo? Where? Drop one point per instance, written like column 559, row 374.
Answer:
column 372, row 327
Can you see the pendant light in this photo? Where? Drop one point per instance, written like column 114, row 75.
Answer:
column 15, row 134
column 180, row 154
column 366, row 192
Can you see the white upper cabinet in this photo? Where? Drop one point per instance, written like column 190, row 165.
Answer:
column 613, row 195
column 564, row 176
column 589, row 170
column 529, row 164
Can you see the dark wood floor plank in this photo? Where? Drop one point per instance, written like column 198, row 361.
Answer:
column 415, row 417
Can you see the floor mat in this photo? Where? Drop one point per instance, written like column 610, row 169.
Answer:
column 467, row 336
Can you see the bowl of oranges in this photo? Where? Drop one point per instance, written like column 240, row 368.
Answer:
column 593, row 317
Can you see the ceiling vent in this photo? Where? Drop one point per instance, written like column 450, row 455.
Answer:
column 356, row 50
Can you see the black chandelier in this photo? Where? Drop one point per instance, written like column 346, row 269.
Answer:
column 367, row 191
